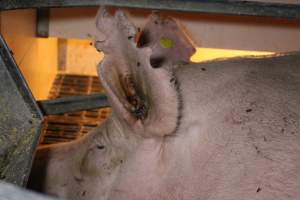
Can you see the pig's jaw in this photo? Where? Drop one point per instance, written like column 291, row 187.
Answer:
column 109, row 147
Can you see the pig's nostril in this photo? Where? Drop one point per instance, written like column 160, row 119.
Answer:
column 100, row 146
column 157, row 62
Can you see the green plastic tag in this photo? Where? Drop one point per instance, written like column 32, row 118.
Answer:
column 165, row 43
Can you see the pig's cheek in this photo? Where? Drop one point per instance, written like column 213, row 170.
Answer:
column 95, row 161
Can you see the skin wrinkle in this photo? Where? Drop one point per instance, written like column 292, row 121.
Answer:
column 179, row 106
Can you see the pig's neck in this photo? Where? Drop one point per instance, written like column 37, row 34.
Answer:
column 118, row 135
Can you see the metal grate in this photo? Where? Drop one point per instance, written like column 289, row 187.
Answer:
column 70, row 126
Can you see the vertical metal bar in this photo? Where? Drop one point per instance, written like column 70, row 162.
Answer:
column 42, row 25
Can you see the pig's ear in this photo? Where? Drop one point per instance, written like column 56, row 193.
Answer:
column 167, row 38
column 143, row 95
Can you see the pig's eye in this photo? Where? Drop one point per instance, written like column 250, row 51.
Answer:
column 99, row 146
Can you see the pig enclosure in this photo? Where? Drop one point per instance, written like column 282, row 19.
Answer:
column 57, row 60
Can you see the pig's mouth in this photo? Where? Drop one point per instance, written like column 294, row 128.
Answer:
column 137, row 104
column 138, row 72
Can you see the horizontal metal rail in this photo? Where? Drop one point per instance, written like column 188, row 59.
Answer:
column 229, row 7
column 73, row 104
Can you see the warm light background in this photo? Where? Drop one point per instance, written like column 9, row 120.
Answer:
column 82, row 58
column 41, row 59
column 79, row 57
column 206, row 54
column 36, row 57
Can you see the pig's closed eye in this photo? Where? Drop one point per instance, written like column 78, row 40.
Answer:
column 100, row 146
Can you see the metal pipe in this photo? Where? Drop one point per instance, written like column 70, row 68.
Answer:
column 228, row 7
column 73, row 104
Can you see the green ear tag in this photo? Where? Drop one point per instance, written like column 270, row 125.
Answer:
column 165, row 43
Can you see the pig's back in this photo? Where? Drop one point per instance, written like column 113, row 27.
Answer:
column 237, row 137
column 239, row 132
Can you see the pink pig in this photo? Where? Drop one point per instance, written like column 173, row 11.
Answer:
column 220, row 130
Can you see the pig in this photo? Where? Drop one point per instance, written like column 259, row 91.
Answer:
column 219, row 130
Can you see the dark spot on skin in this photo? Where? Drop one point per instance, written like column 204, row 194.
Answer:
column 100, row 146
column 144, row 39
column 64, row 185
column 77, row 179
column 83, row 193
column 130, row 37
column 134, row 100
column 293, row 133
column 203, row 69
column 257, row 150
column 155, row 22
column 140, row 112
column 249, row 110
column 176, row 83
column 91, row 44
column 30, row 121
column 258, row 189
column 284, row 119
column 282, row 130
column 265, row 139
column 157, row 62
column 121, row 161
column 138, row 64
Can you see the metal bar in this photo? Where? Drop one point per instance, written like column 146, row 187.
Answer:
column 230, row 7
column 73, row 104
column 42, row 27
column 18, row 78
column 20, row 121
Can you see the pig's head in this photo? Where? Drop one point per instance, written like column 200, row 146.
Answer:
column 137, row 71
column 139, row 81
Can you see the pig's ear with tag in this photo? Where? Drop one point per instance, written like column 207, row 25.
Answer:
column 167, row 38
column 144, row 96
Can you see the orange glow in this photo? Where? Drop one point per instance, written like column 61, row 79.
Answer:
column 38, row 64
column 81, row 57
column 205, row 54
